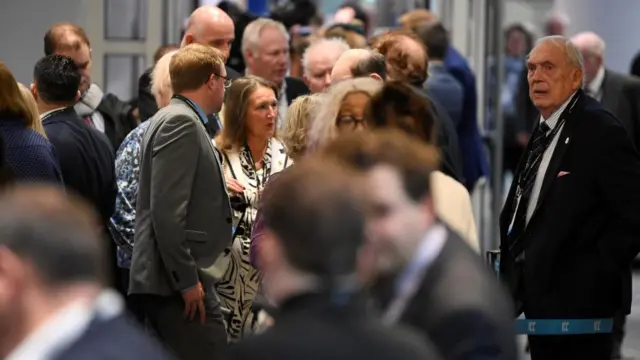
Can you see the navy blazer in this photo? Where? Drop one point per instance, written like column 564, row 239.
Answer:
column 29, row 154
column 115, row 339
column 475, row 161
column 86, row 159
column 445, row 89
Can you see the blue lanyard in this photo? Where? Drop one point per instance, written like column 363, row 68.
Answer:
column 563, row 327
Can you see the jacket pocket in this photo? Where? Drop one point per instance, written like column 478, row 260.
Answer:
column 196, row 236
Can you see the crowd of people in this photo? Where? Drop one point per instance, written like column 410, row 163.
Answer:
column 314, row 204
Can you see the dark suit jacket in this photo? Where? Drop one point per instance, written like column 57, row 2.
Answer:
column 460, row 306
column 118, row 119
column 621, row 96
column 475, row 161
column 295, row 87
column 446, row 138
column 584, row 233
column 115, row 339
column 86, row 160
column 147, row 103
column 443, row 87
column 308, row 327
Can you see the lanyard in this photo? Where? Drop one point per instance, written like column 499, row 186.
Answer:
column 197, row 109
column 265, row 176
column 409, row 281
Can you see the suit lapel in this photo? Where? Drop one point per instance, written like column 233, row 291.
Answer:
column 564, row 141
column 609, row 88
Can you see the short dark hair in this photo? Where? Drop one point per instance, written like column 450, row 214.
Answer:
column 64, row 35
column 436, row 38
column 373, row 64
column 55, row 231
column 412, row 158
column 399, row 105
column 315, row 210
column 57, row 79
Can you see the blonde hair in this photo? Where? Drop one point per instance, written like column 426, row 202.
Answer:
column 11, row 99
column 161, row 80
column 253, row 31
column 323, row 127
column 33, row 120
column 416, row 18
column 234, row 131
column 296, row 124
column 192, row 66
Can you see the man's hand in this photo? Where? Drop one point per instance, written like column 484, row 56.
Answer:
column 194, row 301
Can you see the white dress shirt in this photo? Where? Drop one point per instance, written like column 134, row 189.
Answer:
column 67, row 326
column 595, row 86
column 552, row 121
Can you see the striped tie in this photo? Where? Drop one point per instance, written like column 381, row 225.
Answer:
column 528, row 178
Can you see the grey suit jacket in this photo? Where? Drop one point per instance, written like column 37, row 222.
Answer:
column 621, row 96
column 183, row 216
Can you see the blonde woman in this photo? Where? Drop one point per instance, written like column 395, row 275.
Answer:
column 127, row 170
column 251, row 155
column 29, row 154
column 342, row 109
column 296, row 124
column 34, row 114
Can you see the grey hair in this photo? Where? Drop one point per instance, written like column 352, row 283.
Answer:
column 323, row 127
column 572, row 53
column 334, row 46
column 251, row 34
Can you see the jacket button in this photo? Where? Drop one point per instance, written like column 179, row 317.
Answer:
column 228, row 220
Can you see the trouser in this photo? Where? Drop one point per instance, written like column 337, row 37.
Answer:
column 186, row 339
column 618, row 335
column 569, row 347
column 132, row 302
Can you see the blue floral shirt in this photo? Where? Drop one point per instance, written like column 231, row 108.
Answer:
column 123, row 221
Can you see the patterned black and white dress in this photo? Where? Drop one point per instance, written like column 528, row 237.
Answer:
column 241, row 281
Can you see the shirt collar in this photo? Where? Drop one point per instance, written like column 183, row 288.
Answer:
column 595, row 84
column 43, row 115
column 66, row 326
column 552, row 121
column 194, row 105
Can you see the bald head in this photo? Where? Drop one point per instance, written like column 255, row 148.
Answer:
column 354, row 59
column 592, row 48
column 209, row 25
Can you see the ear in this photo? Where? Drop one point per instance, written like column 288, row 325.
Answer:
column 250, row 57
column 188, row 39
column 578, row 77
column 305, row 79
column 375, row 76
column 34, row 90
column 78, row 96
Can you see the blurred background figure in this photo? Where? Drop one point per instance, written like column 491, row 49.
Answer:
column 318, row 61
column 54, row 303
column 28, row 153
column 314, row 221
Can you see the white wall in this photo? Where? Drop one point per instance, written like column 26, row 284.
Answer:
column 616, row 21
column 22, row 30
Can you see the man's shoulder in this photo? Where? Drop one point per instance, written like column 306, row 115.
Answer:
column 117, row 338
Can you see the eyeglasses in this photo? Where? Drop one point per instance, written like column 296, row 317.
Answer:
column 349, row 122
column 225, row 80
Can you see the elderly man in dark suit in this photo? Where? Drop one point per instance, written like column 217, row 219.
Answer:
column 54, row 303
column 569, row 228
column 424, row 274
column 183, row 216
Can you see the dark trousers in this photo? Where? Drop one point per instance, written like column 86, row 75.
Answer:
column 186, row 339
column 565, row 347
column 618, row 335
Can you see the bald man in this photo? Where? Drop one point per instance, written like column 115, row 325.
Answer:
column 207, row 25
column 357, row 63
column 318, row 61
column 618, row 93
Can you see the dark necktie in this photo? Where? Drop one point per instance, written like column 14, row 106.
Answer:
column 87, row 120
column 528, row 177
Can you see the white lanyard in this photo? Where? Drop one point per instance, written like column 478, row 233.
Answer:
column 409, row 281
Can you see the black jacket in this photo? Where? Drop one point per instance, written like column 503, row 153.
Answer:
column 460, row 306
column 309, row 327
column 86, row 159
column 584, row 233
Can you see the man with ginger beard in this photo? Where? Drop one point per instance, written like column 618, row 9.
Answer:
column 207, row 25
